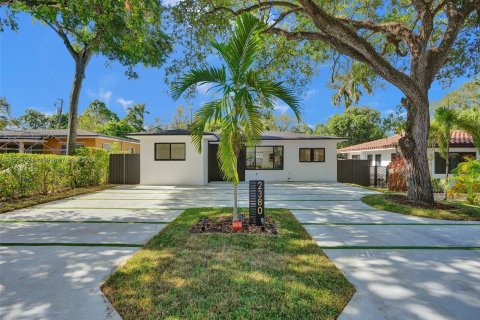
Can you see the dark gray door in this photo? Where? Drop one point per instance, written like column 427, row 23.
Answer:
column 214, row 173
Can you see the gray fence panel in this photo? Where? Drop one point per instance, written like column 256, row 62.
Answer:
column 353, row 171
column 124, row 169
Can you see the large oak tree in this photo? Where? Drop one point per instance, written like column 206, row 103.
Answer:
column 408, row 44
column 127, row 31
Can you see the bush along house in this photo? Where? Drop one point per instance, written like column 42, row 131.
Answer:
column 169, row 158
column 382, row 151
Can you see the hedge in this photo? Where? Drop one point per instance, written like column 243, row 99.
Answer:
column 23, row 175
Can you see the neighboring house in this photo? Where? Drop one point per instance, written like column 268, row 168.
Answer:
column 169, row 158
column 55, row 141
column 382, row 151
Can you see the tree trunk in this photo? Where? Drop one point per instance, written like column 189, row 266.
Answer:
column 235, row 206
column 447, row 164
column 81, row 62
column 414, row 146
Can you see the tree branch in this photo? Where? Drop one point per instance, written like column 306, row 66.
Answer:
column 260, row 5
column 437, row 56
column 346, row 40
column 391, row 29
column 283, row 15
column 64, row 37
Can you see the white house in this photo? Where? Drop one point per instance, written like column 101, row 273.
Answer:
column 169, row 158
column 382, row 151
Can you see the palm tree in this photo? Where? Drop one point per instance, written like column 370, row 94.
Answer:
column 445, row 120
column 242, row 95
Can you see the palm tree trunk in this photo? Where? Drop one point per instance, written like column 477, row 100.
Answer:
column 447, row 164
column 81, row 62
column 235, row 204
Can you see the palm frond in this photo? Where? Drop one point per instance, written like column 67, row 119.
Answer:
column 208, row 112
column 212, row 75
column 269, row 89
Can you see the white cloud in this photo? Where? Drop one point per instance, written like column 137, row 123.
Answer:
column 102, row 94
column 125, row 103
column 310, row 93
column 105, row 95
column 282, row 108
column 203, row 88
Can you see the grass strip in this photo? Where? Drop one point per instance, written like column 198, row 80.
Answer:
column 90, row 208
column 398, row 248
column 183, row 275
column 216, row 200
column 83, row 221
column 459, row 212
column 59, row 244
column 10, row 205
column 387, row 224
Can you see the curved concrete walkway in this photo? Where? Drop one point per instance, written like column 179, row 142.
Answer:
column 60, row 253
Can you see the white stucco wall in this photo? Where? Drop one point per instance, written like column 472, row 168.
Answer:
column 192, row 171
column 293, row 169
column 386, row 155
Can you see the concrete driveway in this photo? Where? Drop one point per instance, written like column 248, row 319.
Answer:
column 55, row 256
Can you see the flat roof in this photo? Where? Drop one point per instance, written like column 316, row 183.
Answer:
column 267, row 135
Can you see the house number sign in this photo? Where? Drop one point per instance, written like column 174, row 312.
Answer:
column 257, row 202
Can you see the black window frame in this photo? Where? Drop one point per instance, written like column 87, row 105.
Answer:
column 312, row 155
column 355, row 157
column 378, row 162
column 440, row 162
column 255, row 158
column 170, row 144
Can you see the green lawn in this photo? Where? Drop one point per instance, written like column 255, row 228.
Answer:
column 10, row 205
column 458, row 211
column 180, row 275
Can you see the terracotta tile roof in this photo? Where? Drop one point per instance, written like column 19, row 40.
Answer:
column 59, row 133
column 383, row 143
column 459, row 138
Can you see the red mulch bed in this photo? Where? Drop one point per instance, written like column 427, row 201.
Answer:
column 401, row 199
column 224, row 225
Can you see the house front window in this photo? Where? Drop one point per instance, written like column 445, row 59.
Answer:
column 169, row 151
column 312, row 155
column 265, row 158
column 107, row 146
column 454, row 159
column 378, row 159
column 370, row 159
column 356, row 157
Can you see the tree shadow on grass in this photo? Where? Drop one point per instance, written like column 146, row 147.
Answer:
column 229, row 276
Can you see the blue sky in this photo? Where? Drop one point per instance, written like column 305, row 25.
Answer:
column 36, row 70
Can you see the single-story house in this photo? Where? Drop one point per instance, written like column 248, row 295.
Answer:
column 382, row 151
column 54, row 141
column 169, row 158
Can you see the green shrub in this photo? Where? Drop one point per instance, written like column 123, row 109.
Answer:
column 437, row 185
column 467, row 180
column 23, row 175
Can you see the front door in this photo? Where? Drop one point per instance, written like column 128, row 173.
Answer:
column 214, row 173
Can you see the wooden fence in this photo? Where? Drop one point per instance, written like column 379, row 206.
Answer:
column 354, row 171
column 124, row 169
